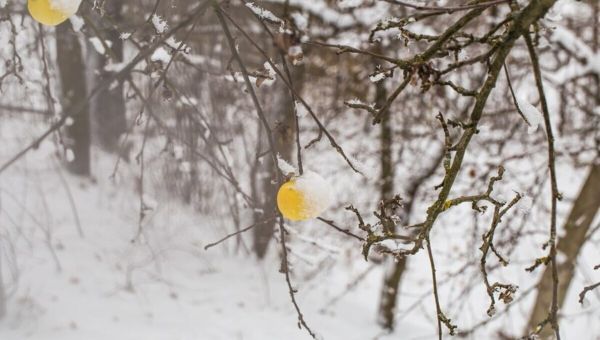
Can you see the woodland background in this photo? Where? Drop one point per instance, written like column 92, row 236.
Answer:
column 461, row 139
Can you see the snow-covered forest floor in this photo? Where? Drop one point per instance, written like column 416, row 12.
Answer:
column 98, row 284
column 101, row 285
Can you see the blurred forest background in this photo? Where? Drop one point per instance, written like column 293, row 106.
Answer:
column 143, row 143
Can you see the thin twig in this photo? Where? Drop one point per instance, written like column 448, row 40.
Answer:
column 241, row 231
column 586, row 290
column 285, row 268
column 248, row 83
column 441, row 318
column 322, row 128
column 344, row 231
column 513, row 95
column 445, row 9
column 553, row 316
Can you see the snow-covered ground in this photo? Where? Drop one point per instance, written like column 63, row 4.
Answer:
column 166, row 286
column 98, row 284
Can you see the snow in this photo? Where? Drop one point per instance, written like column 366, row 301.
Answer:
column 272, row 75
column 317, row 192
column 167, row 287
column 377, row 77
column 69, row 155
column 125, row 35
column 160, row 24
column 356, row 101
column 350, row 3
column 531, row 113
column 69, row 7
column 77, row 22
column 300, row 20
column 285, row 167
column 162, row 55
column 322, row 10
column 296, row 53
column 98, row 46
column 263, row 13
column 575, row 45
column 163, row 287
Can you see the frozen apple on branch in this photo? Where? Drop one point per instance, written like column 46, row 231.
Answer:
column 52, row 12
column 304, row 197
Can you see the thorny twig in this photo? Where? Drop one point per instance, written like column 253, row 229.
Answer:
column 383, row 229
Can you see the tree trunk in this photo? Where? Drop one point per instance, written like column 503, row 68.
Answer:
column 393, row 269
column 72, row 78
column 576, row 227
column 107, row 108
column 282, row 122
column 389, row 292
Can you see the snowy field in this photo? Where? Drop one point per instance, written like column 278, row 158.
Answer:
column 88, row 280
column 100, row 285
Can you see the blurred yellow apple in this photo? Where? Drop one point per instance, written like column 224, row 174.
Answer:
column 304, row 197
column 52, row 12
column 291, row 202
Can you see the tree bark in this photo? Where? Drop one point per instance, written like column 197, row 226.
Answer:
column 282, row 122
column 389, row 292
column 393, row 269
column 107, row 108
column 72, row 78
column 577, row 225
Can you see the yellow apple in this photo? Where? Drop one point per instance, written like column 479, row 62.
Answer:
column 52, row 12
column 304, row 197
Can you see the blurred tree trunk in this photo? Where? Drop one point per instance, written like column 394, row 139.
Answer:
column 393, row 268
column 282, row 122
column 71, row 71
column 107, row 108
column 576, row 227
